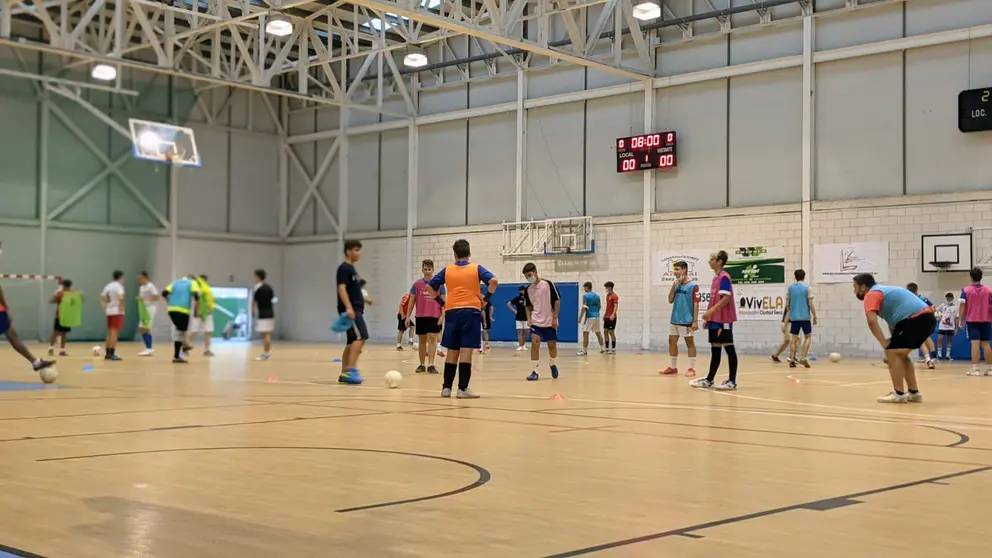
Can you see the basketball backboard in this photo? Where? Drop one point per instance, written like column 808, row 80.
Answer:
column 165, row 143
column 952, row 250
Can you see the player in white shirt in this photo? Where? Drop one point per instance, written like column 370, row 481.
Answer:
column 149, row 296
column 947, row 320
column 112, row 300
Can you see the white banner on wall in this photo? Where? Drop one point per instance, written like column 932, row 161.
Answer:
column 839, row 263
column 698, row 261
column 760, row 302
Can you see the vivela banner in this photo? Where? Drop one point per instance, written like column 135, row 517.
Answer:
column 760, row 303
column 756, row 265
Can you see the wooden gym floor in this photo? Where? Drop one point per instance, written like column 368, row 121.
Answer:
column 231, row 457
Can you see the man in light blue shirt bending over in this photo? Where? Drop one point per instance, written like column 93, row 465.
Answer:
column 802, row 315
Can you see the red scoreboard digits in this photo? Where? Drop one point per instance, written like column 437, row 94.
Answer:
column 645, row 152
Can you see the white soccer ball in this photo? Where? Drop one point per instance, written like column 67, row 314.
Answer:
column 393, row 379
column 834, row 357
column 49, row 375
column 97, row 349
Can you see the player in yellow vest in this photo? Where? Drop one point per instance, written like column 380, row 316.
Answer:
column 204, row 319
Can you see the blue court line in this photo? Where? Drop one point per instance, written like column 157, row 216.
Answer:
column 26, row 386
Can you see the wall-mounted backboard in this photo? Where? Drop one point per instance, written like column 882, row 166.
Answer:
column 946, row 252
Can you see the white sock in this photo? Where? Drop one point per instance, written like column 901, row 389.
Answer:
column 675, row 362
column 927, row 356
column 551, row 361
column 535, row 364
column 36, row 361
column 692, row 362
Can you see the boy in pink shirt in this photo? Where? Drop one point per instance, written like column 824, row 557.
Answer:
column 429, row 317
column 719, row 321
column 976, row 314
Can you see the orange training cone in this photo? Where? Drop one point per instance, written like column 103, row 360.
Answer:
column 557, row 397
column 273, row 379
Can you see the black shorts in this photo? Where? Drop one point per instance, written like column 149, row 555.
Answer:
column 724, row 336
column 400, row 322
column 946, row 333
column 180, row 320
column 428, row 326
column 58, row 327
column 358, row 330
column 912, row 332
column 609, row 324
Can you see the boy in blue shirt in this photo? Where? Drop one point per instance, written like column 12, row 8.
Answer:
column 802, row 315
column 589, row 318
column 684, row 298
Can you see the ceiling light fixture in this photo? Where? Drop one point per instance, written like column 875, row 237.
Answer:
column 104, row 72
column 415, row 60
column 279, row 26
column 647, row 10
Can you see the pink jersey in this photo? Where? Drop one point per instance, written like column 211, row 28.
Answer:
column 977, row 300
column 541, row 298
column 723, row 286
column 426, row 306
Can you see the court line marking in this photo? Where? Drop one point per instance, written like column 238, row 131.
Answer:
column 484, row 476
column 16, row 552
column 759, row 514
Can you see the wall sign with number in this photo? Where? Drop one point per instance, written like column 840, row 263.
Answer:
column 645, row 152
column 975, row 110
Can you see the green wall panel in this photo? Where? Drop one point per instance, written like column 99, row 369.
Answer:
column 18, row 158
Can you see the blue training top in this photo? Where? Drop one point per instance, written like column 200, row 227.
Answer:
column 592, row 304
column 685, row 298
column 799, row 302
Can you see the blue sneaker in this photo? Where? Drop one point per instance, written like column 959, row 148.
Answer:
column 533, row 377
column 554, row 371
column 351, row 377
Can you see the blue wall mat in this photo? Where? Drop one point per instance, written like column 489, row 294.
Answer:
column 960, row 347
column 505, row 328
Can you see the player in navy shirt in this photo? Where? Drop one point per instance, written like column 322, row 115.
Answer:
column 929, row 348
column 352, row 302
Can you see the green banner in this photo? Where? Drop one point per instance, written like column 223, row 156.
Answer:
column 757, row 265
column 71, row 310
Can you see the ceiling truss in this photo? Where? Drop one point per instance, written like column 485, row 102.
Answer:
column 350, row 54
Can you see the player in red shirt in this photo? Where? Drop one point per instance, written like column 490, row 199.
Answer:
column 610, row 318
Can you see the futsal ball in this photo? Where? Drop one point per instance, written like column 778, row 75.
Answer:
column 834, row 357
column 97, row 349
column 49, row 375
column 393, row 379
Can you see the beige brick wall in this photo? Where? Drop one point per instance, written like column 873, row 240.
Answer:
column 898, row 221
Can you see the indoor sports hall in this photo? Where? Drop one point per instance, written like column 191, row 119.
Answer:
column 711, row 275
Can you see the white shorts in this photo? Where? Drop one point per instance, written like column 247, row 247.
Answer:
column 591, row 325
column 207, row 326
column 151, row 316
column 522, row 325
column 679, row 331
column 265, row 325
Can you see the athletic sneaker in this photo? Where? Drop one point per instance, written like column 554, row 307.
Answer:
column 399, row 347
column 263, row 356
column 701, row 383
column 51, row 351
column 533, row 377
column 669, row 371
column 775, row 359
column 792, row 363
column 63, row 353
column 208, row 353
column 420, row 369
column 727, row 386
column 690, row 373
column 975, row 371
column 582, row 353
column 931, row 365
column 554, row 371
column 180, row 361
column 466, row 393
column 40, row 365
column 147, row 353
column 804, row 362
column 112, row 357
column 432, row 369
column 351, row 376
column 914, row 397
column 446, row 392
column 602, row 351
column 521, row 348
column 989, row 371
column 893, row 397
